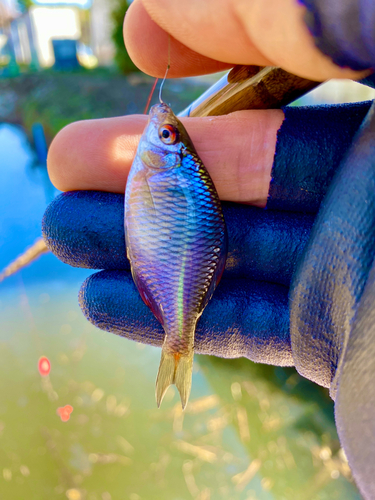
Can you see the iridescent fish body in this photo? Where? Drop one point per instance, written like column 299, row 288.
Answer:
column 175, row 239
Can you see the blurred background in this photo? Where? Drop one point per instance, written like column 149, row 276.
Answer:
column 78, row 419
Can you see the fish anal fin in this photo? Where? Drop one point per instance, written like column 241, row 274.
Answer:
column 147, row 298
column 217, row 274
column 177, row 369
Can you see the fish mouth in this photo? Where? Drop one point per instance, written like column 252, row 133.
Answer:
column 160, row 108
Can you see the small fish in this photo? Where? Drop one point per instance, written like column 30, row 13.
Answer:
column 175, row 238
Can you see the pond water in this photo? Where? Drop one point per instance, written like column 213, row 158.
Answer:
column 249, row 432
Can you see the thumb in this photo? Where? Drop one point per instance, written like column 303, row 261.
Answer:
column 229, row 32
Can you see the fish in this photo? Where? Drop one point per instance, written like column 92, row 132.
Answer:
column 176, row 240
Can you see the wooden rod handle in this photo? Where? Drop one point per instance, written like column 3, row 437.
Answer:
column 250, row 87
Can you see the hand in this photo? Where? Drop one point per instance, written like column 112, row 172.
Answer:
column 248, row 315
column 213, row 36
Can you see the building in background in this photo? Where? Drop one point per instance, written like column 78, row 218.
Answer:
column 9, row 36
column 49, row 23
column 27, row 37
column 101, row 31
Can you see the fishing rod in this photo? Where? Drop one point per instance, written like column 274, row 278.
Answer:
column 250, row 87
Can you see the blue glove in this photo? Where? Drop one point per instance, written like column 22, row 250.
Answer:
column 343, row 30
column 248, row 315
column 294, row 292
column 332, row 304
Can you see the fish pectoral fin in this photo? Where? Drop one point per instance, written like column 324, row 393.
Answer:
column 174, row 369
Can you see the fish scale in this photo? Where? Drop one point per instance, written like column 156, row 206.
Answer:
column 176, row 240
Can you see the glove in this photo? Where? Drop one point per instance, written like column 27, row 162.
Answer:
column 248, row 315
column 332, row 299
column 326, row 267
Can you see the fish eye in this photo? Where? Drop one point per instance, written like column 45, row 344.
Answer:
column 168, row 134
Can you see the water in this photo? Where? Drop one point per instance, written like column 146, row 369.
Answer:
column 250, row 431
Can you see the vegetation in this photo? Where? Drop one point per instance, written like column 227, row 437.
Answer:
column 56, row 99
column 122, row 59
column 24, row 5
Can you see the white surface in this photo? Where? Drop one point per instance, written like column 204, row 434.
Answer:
column 53, row 22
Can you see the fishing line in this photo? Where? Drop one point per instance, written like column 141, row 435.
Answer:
column 150, row 96
column 156, row 80
column 168, row 66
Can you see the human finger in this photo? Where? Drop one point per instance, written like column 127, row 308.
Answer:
column 235, row 32
column 86, row 229
column 237, row 150
column 242, row 151
column 244, row 318
column 150, row 50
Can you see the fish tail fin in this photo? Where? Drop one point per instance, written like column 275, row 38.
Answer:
column 174, row 369
column 184, row 372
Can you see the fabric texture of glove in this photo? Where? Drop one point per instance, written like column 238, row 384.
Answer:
column 311, row 143
column 264, row 247
column 355, row 399
column 332, row 301
column 344, row 30
column 333, row 272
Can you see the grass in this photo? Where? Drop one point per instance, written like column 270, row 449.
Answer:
column 56, row 99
